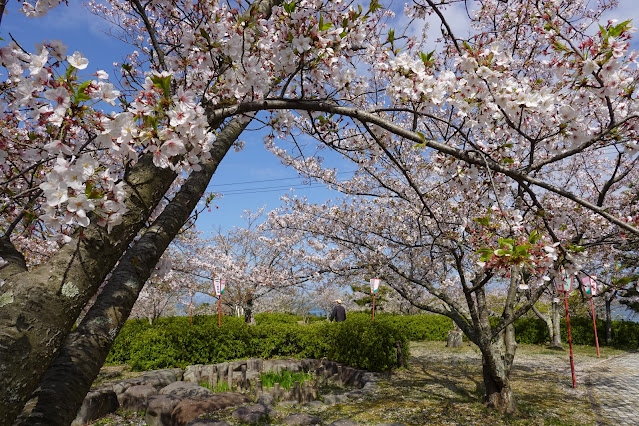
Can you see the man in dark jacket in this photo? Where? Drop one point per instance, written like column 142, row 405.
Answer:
column 339, row 313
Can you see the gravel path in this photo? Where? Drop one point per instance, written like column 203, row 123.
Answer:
column 614, row 387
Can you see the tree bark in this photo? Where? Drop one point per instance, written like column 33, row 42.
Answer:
column 69, row 378
column 555, row 342
column 248, row 311
column 608, row 297
column 499, row 393
column 552, row 324
column 39, row 307
column 498, row 350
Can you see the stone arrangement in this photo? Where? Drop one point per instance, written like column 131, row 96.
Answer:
column 174, row 396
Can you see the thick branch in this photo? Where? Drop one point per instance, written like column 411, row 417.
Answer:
column 39, row 307
column 69, row 378
column 465, row 156
column 15, row 260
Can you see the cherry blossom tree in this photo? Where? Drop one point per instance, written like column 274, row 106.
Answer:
column 536, row 102
column 253, row 263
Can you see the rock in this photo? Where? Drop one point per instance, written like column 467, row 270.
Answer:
column 97, row 403
column 277, row 365
column 301, row 419
column 207, row 422
column 344, row 422
column 335, row 398
column 288, row 404
column 159, row 409
column 156, row 378
column 135, row 398
column 191, row 408
column 315, row 404
column 193, row 373
column 355, row 393
column 253, row 414
column 265, row 399
column 186, row 390
column 369, row 387
column 391, row 424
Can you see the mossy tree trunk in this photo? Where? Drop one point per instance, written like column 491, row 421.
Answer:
column 39, row 307
column 66, row 382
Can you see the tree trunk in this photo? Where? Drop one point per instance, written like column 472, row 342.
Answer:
column 454, row 339
column 248, row 312
column 499, row 394
column 40, row 307
column 555, row 341
column 66, row 382
column 608, row 297
column 497, row 359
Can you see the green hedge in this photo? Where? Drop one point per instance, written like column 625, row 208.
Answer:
column 175, row 342
column 625, row 334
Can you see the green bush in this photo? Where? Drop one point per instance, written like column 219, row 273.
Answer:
column 175, row 342
column 358, row 342
column 276, row 317
column 121, row 350
column 365, row 344
column 531, row 331
column 625, row 334
column 420, row 327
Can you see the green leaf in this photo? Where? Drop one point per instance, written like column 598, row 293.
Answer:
column 205, row 34
column 81, row 95
column 507, row 160
column 421, row 136
column 575, row 248
column 374, row 6
column 163, row 83
column 507, row 243
column 623, row 281
column 619, row 28
column 486, row 253
column 69, row 72
column 534, row 237
column 604, row 33
column 427, row 58
column 289, row 7
column 483, row 220
column 324, row 26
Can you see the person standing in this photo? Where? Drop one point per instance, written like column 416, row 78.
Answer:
column 339, row 313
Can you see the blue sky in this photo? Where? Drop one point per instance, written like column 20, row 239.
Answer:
column 251, row 178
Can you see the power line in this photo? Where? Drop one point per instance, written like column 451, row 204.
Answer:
column 270, row 189
column 215, row 185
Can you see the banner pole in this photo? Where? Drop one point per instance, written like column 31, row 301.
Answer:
column 594, row 324
column 373, row 320
column 572, row 362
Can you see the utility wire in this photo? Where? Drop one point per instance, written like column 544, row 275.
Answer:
column 216, row 185
column 270, row 189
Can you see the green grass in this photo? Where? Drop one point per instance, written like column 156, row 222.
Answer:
column 220, row 387
column 285, row 378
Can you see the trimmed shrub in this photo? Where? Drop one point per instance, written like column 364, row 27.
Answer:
column 358, row 342
column 174, row 342
column 365, row 344
column 276, row 317
column 531, row 331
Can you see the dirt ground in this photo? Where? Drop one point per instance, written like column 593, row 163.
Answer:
column 444, row 387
